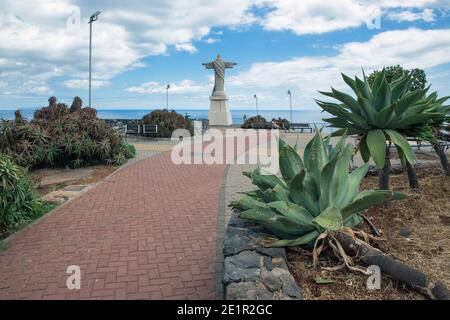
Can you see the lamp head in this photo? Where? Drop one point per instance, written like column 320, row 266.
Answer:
column 289, row 92
column 94, row 16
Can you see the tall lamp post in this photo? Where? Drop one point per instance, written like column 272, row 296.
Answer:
column 93, row 18
column 167, row 96
column 256, row 101
column 290, row 102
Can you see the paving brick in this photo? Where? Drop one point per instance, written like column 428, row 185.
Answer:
column 146, row 232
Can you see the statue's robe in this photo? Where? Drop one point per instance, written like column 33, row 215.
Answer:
column 219, row 67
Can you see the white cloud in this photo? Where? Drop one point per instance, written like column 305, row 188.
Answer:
column 54, row 37
column 185, row 86
column 212, row 40
column 84, row 84
column 426, row 15
column 38, row 46
column 412, row 48
column 188, row 47
column 315, row 17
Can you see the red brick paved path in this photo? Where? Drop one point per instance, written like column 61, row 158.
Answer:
column 148, row 232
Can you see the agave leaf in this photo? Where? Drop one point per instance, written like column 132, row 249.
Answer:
column 364, row 149
column 247, row 203
column 311, row 186
column 400, row 87
column 413, row 120
column 350, row 82
column 356, row 119
column 329, row 219
column 352, row 188
column 368, row 110
column 408, row 100
column 339, row 146
column 442, row 100
column 300, row 196
column 383, row 95
column 403, row 144
column 294, row 212
column 378, row 80
column 326, row 143
column 271, row 220
column 338, row 122
column 326, row 184
column 281, row 143
column 368, row 199
column 385, row 116
column 353, row 221
column 315, row 155
column 248, row 174
column 349, row 131
column 347, row 100
column 308, row 238
column 401, row 155
column 262, row 215
column 364, row 89
column 332, row 108
column 376, row 142
column 265, row 181
column 290, row 162
column 276, row 194
column 339, row 180
column 252, row 194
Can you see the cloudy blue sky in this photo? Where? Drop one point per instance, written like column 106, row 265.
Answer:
column 139, row 46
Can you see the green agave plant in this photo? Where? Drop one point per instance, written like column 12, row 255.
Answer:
column 382, row 111
column 315, row 194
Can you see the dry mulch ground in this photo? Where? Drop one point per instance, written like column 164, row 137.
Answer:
column 99, row 173
column 425, row 214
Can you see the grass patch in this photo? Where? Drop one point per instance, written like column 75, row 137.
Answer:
column 3, row 246
column 46, row 208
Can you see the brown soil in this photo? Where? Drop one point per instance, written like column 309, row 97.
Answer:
column 99, row 173
column 425, row 214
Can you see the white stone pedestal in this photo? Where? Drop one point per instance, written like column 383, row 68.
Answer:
column 219, row 113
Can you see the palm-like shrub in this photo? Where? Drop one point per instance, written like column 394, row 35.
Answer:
column 315, row 195
column 167, row 121
column 281, row 123
column 257, row 122
column 18, row 202
column 392, row 73
column 439, row 125
column 58, row 136
column 382, row 112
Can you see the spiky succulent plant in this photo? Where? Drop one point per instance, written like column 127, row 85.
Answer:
column 382, row 112
column 314, row 195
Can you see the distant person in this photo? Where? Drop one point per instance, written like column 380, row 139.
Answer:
column 245, row 118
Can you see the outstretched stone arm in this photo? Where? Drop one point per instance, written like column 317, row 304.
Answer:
column 208, row 65
column 230, row 64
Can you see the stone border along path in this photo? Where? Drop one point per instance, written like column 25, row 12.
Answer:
column 148, row 231
column 250, row 271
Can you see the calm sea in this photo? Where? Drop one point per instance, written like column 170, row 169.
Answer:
column 302, row 116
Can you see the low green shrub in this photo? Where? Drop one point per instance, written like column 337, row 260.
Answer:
column 257, row 122
column 59, row 136
column 167, row 121
column 128, row 150
column 19, row 203
column 281, row 123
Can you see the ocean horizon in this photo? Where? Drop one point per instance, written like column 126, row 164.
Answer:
column 302, row 116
